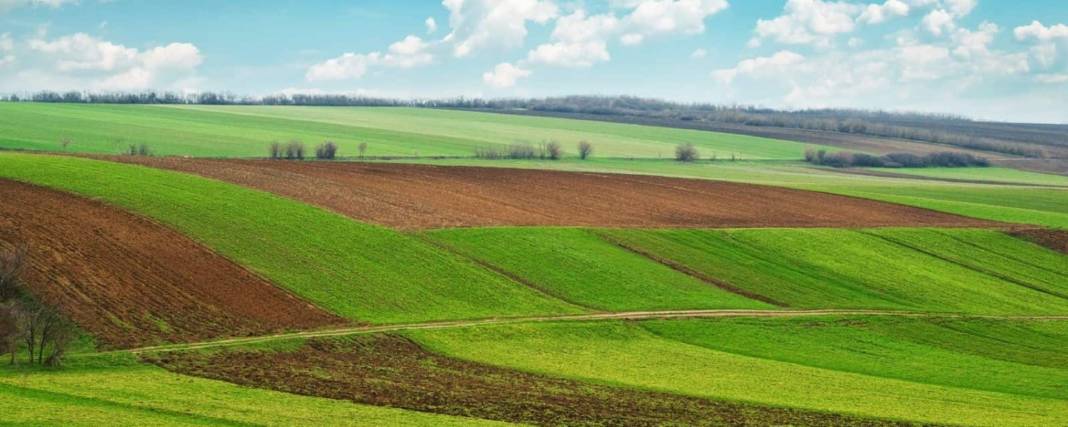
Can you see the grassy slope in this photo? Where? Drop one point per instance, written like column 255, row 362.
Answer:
column 998, row 174
column 102, row 392
column 246, row 131
column 355, row 270
column 622, row 354
column 1019, row 357
column 579, row 267
column 821, row 268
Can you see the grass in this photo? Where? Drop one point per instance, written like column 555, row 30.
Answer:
column 101, row 392
column 968, row 271
column 580, row 267
column 993, row 174
column 242, row 131
column 627, row 355
column 1017, row 357
column 356, row 270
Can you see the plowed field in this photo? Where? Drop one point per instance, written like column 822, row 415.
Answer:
column 132, row 282
column 421, row 196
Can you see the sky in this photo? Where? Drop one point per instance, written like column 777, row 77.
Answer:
column 987, row 59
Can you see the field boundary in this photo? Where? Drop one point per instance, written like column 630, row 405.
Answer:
column 610, row 316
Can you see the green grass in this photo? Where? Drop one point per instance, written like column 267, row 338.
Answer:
column 970, row 271
column 627, row 355
column 242, row 131
column 103, row 393
column 993, row 174
column 582, row 268
column 1017, row 357
column 356, row 270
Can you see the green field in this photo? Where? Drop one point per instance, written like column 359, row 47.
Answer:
column 577, row 266
column 970, row 271
column 627, row 355
column 246, row 131
column 103, row 392
column 358, row 271
column 992, row 174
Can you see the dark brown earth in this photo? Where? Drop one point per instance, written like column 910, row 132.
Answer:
column 392, row 371
column 422, row 196
column 1053, row 239
column 132, row 282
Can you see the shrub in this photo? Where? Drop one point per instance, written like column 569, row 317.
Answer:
column 906, row 160
column 139, row 150
column 295, row 150
column 362, row 148
column 489, row 153
column 585, row 149
column 326, row 151
column 840, row 159
column 275, row 150
column 522, row 151
column 867, row 160
column 555, row 150
column 686, row 153
column 895, row 160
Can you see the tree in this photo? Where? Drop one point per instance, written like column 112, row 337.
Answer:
column 295, row 150
column 10, row 329
column 585, row 149
column 64, row 143
column 275, row 150
column 326, row 151
column 686, row 153
column 362, row 148
column 12, row 262
column 555, row 150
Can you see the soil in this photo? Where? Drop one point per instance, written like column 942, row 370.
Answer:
column 132, row 282
column 1053, row 239
column 392, row 371
column 423, row 196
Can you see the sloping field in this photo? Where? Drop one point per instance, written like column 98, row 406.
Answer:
column 415, row 196
column 132, row 282
column 577, row 266
column 355, row 270
column 136, row 394
column 1053, row 239
column 627, row 355
column 393, row 371
column 247, row 130
column 971, row 271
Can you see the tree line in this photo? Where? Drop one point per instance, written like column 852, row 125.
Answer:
column 843, row 159
column 26, row 323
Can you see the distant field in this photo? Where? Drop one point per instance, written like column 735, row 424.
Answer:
column 246, row 131
column 355, row 270
column 992, row 174
column 973, row 271
column 108, row 391
column 628, row 355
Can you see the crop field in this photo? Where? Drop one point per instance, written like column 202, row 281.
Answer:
column 423, row 286
column 246, row 132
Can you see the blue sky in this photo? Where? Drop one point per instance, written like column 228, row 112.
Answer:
column 995, row 59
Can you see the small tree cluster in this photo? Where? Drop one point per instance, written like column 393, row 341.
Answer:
column 326, row 151
column 25, row 323
column 294, row 150
column 362, row 148
column 138, row 150
column 551, row 150
column 585, row 149
column 686, row 153
column 894, row 160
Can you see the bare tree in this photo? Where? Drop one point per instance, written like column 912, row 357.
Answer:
column 10, row 329
column 295, row 150
column 362, row 148
column 555, row 150
column 326, row 151
column 275, row 150
column 585, row 149
column 686, row 153
column 12, row 263
column 65, row 142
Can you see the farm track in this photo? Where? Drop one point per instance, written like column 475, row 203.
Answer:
column 131, row 281
column 415, row 197
column 630, row 315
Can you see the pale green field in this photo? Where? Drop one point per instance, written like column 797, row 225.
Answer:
column 994, row 174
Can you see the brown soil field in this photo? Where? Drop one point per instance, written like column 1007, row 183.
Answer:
column 422, row 196
column 132, row 282
column 1053, row 239
column 393, row 371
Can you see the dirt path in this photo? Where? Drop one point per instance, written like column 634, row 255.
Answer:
column 422, row 196
column 132, row 282
column 630, row 315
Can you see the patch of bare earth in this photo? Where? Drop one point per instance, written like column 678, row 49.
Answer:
column 132, row 282
column 392, row 371
column 1053, row 239
column 422, row 196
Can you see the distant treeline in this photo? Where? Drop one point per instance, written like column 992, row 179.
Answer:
column 1015, row 139
column 843, row 159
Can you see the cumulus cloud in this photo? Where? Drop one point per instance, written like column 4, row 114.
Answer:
column 774, row 64
column 879, row 13
column 504, row 75
column 431, row 25
column 478, row 24
column 699, row 54
column 654, row 17
column 808, row 22
column 1040, row 32
column 412, row 51
column 7, row 5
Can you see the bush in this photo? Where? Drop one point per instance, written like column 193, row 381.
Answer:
column 275, row 150
column 362, row 148
column 139, row 150
column 585, row 149
column 906, row 160
column 294, row 150
column 326, row 151
column 895, row 160
column 489, row 153
column 555, row 150
column 686, row 153
column 522, row 151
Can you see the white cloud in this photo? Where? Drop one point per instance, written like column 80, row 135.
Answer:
column 574, row 55
column 1052, row 78
column 653, row 17
column 477, row 24
column 7, row 5
column 808, row 22
column 504, row 75
column 6, row 42
column 961, row 8
column 879, row 13
column 410, row 52
column 699, row 54
column 431, row 25
column 776, row 63
column 1041, row 32
column 972, row 43
column 938, row 22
